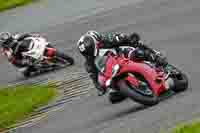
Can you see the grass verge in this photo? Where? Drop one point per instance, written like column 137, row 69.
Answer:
column 16, row 103
column 191, row 127
column 7, row 4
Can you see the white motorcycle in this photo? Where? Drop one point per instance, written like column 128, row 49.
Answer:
column 43, row 57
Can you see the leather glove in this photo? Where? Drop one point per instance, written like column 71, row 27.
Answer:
column 134, row 37
column 161, row 60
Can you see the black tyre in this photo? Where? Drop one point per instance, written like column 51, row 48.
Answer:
column 116, row 97
column 64, row 58
column 131, row 92
column 27, row 74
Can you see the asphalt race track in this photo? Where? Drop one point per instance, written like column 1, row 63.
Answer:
column 170, row 25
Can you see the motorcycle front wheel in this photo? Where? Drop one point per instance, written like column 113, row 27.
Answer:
column 116, row 97
column 131, row 91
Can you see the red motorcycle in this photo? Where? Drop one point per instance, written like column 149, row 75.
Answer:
column 140, row 81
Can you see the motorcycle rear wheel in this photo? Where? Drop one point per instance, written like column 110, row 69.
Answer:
column 64, row 58
column 180, row 80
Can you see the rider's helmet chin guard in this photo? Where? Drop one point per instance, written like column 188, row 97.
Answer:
column 96, row 50
column 96, row 37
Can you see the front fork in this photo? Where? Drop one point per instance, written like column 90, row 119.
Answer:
column 108, row 84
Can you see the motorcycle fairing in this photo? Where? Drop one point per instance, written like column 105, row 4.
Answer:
column 154, row 78
column 37, row 48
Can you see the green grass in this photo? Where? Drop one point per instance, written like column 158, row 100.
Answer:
column 7, row 4
column 191, row 127
column 18, row 102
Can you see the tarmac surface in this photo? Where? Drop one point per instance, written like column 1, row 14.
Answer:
column 172, row 26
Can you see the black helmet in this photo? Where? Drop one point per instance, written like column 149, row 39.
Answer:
column 86, row 45
column 4, row 36
column 6, row 39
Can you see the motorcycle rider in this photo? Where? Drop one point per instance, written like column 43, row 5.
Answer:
column 91, row 42
column 13, row 45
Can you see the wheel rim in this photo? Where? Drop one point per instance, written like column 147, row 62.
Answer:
column 143, row 88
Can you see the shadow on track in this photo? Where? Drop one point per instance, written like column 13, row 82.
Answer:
column 94, row 123
column 39, row 77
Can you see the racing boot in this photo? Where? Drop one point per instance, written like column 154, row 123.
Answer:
column 100, row 91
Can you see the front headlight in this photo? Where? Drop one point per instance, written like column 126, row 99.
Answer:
column 115, row 69
column 108, row 82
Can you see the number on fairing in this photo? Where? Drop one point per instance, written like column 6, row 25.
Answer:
column 82, row 47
